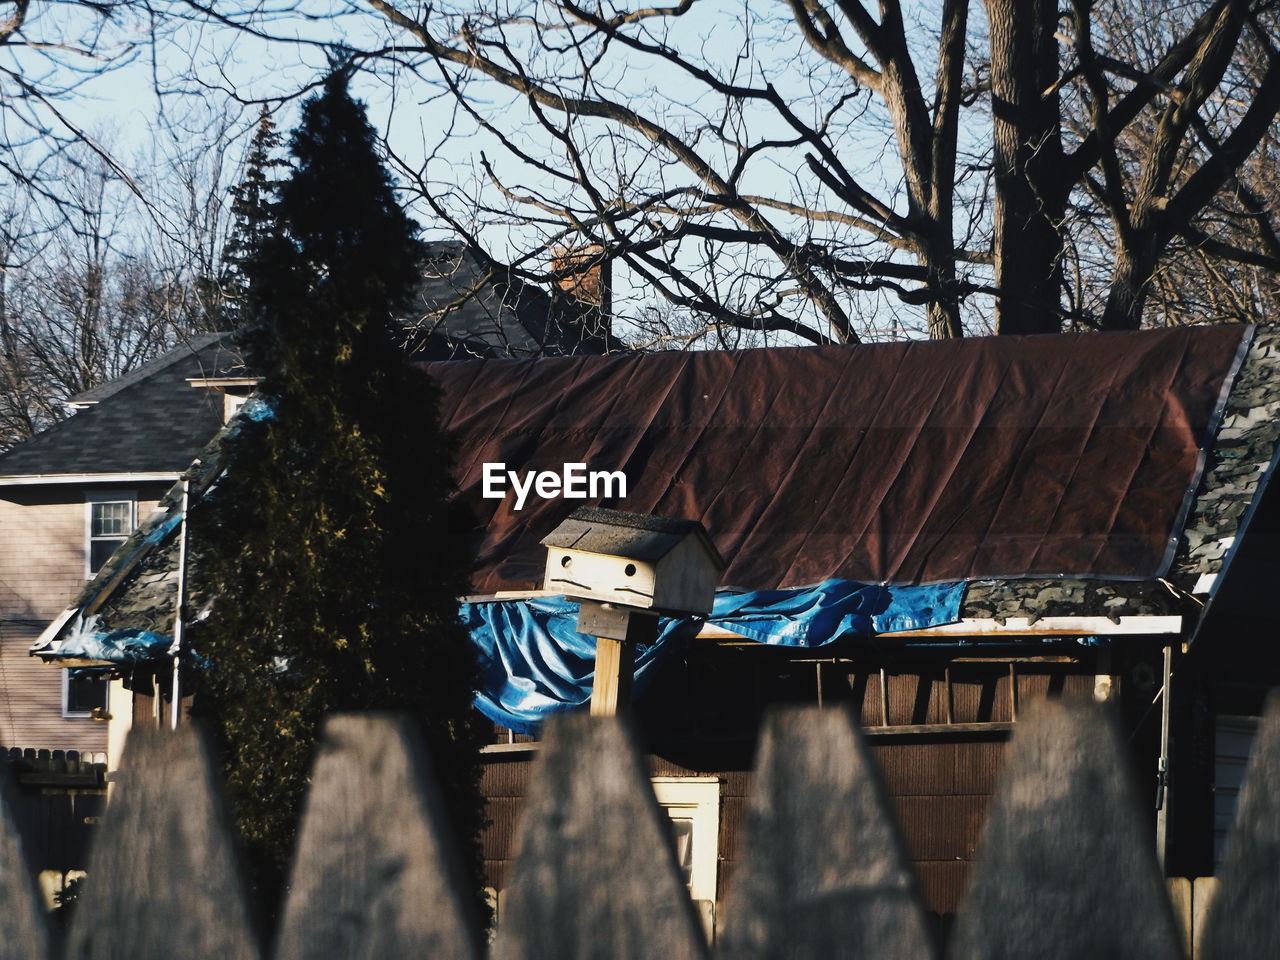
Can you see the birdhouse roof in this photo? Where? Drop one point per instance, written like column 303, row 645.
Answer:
column 639, row 536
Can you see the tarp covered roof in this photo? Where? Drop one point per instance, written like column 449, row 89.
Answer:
column 1007, row 457
column 1105, row 452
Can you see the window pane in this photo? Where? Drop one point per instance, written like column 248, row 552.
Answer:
column 682, row 830
column 111, row 519
column 100, row 552
column 86, row 692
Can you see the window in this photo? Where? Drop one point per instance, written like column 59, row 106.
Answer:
column 231, row 404
column 693, row 806
column 83, row 691
column 1233, row 739
column 110, row 520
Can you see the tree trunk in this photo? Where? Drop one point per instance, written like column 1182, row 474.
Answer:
column 1028, row 161
column 1130, row 282
column 944, row 309
column 944, row 320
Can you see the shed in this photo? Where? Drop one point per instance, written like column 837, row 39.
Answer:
column 929, row 534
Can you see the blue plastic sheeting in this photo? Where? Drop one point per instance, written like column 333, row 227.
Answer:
column 534, row 662
column 83, row 641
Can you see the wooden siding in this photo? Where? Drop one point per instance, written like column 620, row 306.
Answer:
column 42, row 544
column 42, row 558
column 31, row 700
column 940, row 785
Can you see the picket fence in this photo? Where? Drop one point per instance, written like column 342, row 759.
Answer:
column 1066, row 870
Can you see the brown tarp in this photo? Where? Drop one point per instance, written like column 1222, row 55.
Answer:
column 914, row 462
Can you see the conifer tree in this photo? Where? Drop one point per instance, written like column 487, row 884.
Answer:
column 326, row 541
column 253, row 211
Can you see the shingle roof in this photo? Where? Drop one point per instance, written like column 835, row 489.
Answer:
column 155, row 423
column 151, row 420
column 468, row 308
column 192, row 344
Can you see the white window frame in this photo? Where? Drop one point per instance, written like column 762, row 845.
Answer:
column 697, row 799
column 66, row 694
column 1226, row 799
column 105, row 496
column 231, row 404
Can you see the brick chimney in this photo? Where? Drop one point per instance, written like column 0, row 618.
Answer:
column 586, row 295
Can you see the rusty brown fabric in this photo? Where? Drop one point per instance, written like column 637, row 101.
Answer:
column 914, row 462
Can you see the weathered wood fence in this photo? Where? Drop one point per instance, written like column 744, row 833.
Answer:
column 60, row 795
column 1067, row 868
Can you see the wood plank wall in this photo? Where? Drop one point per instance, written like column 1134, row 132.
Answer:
column 940, row 785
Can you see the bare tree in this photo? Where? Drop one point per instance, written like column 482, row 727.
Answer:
column 784, row 173
column 52, row 56
column 817, row 170
column 101, row 283
column 1189, row 225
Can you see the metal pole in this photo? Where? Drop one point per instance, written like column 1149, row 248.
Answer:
column 1162, row 765
column 175, row 649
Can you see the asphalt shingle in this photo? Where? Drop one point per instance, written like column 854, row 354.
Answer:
column 155, row 423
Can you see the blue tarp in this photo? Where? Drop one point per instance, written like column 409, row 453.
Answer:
column 534, row 662
column 84, row 641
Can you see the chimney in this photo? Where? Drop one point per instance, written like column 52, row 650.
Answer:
column 586, row 300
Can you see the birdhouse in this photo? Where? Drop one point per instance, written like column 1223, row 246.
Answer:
column 634, row 560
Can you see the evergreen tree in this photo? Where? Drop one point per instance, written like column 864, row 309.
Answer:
column 325, row 542
column 253, row 211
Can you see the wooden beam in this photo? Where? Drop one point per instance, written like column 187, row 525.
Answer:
column 531, row 746
column 1018, row 627
column 1000, row 727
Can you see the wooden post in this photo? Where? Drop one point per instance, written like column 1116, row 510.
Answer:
column 1243, row 922
column 595, row 873
column 23, row 932
column 617, row 631
column 164, row 880
column 823, row 873
column 615, row 666
column 374, row 849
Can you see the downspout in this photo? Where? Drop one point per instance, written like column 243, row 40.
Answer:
column 1162, row 764
column 175, row 649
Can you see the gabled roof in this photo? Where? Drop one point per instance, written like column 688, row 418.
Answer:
column 469, row 307
column 151, row 422
column 1006, row 458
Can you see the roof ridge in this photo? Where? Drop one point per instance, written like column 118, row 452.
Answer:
column 187, row 347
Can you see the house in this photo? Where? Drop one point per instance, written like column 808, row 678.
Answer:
column 68, row 498
column 71, row 495
column 934, row 534
column 468, row 307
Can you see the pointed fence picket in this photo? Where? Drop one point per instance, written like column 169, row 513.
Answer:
column 1065, row 870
